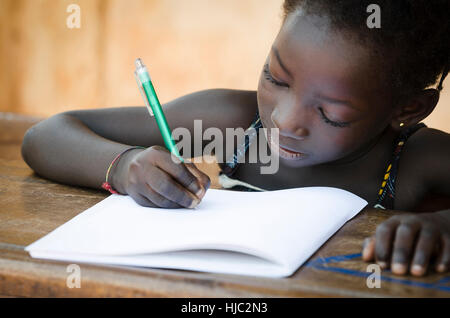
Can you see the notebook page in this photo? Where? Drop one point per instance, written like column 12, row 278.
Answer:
column 212, row 261
column 284, row 226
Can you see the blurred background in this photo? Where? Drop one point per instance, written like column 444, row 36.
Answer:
column 188, row 45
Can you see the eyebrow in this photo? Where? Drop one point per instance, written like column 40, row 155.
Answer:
column 277, row 55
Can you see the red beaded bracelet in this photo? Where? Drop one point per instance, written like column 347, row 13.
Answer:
column 106, row 185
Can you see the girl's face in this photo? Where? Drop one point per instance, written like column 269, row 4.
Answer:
column 321, row 89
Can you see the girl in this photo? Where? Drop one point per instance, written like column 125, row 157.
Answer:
column 347, row 100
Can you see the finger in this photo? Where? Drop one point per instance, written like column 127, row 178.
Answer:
column 404, row 247
column 158, row 199
column 384, row 238
column 368, row 253
column 424, row 248
column 143, row 201
column 163, row 184
column 443, row 260
column 204, row 179
column 178, row 171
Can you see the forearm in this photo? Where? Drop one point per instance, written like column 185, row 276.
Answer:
column 65, row 150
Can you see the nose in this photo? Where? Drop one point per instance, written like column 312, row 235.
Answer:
column 290, row 124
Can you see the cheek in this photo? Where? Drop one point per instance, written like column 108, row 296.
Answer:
column 330, row 144
column 266, row 100
column 264, row 93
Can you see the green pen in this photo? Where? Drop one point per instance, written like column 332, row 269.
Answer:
column 154, row 107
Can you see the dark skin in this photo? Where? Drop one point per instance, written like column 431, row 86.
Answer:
column 326, row 97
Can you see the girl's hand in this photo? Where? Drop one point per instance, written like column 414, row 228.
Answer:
column 155, row 178
column 409, row 242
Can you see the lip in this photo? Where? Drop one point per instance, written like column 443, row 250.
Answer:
column 285, row 153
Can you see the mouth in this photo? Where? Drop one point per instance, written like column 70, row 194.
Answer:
column 284, row 152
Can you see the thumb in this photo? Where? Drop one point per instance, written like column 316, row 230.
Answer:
column 203, row 178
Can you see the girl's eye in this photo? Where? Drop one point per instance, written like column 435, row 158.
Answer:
column 269, row 77
column 330, row 122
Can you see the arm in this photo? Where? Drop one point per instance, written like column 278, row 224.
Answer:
column 63, row 148
column 410, row 242
column 77, row 147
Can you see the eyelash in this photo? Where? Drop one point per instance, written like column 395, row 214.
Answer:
column 330, row 122
column 269, row 77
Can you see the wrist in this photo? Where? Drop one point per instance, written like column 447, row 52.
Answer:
column 118, row 175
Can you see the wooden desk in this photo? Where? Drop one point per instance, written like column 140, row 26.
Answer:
column 31, row 207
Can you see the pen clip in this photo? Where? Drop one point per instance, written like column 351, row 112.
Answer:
column 141, row 89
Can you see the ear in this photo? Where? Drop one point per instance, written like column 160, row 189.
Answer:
column 414, row 110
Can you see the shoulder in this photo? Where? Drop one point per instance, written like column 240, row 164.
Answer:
column 426, row 158
column 428, row 145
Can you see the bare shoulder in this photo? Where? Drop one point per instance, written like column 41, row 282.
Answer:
column 425, row 161
column 428, row 145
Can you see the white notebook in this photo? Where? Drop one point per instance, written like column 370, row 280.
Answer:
column 268, row 234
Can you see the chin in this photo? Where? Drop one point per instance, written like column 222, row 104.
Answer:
column 296, row 163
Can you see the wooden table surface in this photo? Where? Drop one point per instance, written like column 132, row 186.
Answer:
column 31, row 207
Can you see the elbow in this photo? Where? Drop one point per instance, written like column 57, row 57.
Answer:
column 37, row 138
column 29, row 145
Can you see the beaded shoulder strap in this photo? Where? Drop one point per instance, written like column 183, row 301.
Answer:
column 386, row 194
column 251, row 133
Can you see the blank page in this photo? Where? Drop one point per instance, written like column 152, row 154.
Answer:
column 274, row 231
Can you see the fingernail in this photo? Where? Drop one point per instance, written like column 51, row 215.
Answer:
column 365, row 253
column 383, row 265
column 365, row 243
column 200, row 193
column 417, row 269
column 175, row 158
column 194, row 204
column 398, row 268
column 441, row 268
